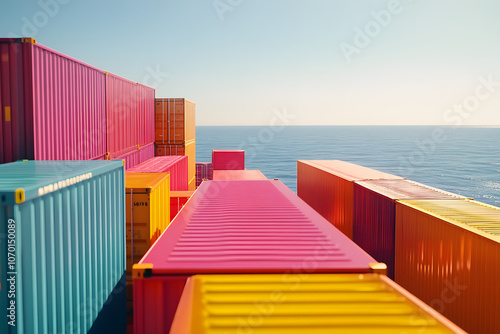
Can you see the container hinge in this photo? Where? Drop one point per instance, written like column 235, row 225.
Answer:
column 143, row 270
column 378, row 268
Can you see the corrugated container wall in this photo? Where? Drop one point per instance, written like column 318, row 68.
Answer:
column 204, row 171
column 375, row 210
column 320, row 303
column 189, row 149
column 53, row 107
column 146, row 119
column 137, row 157
column 174, row 121
column 68, row 222
column 177, row 166
column 238, row 227
column 245, row 174
column 228, row 159
column 448, row 255
column 328, row 186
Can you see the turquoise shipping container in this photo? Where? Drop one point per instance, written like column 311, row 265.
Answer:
column 62, row 246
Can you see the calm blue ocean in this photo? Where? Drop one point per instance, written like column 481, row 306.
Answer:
column 464, row 160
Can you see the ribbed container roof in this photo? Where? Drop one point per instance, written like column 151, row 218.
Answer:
column 158, row 164
column 252, row 226
column 342, row 303
column 406, row 189
column 243, row 174
column 349, row 171
column 480, row 216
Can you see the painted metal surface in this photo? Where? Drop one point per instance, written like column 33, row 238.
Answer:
column 68, row 218
column 374, row 214
column 448, row 255
column 146, row 117
column 165, row 150
column 228, row 159
column 204, row 171
column 328, row 187
column 177, row 166
column 136, row 157
column 52, row 106
column 245, row 174
column 174, row 121
column 343, row 303
column 238, row 227
column 188, row 149
column 177, row 200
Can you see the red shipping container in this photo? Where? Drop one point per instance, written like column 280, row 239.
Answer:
column 177, row 200
column 374, row 214
column 176, row 165
column 128, row 121
column 227, row 175
column 53, row 107
column 228, row 159
column 328, row 186
column 238, row 227
column 204, row 171
column 138, row 156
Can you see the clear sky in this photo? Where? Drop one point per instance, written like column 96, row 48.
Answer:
column 324, row 62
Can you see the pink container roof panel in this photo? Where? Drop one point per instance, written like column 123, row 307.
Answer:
column 252, row 226
column 121, row 115
column 228, row 159
column 176, row 165
column 239, row 175
column 53, row 106
column 349, row 171
column 406, row 189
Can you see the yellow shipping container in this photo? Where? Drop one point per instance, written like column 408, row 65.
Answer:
column 191, row 153
column 303, row 303
column 147, row 212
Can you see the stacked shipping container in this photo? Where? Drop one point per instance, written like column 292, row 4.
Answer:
column 341, row 303
column 204, row 171
column 67, row 223
column 175, row 132
column 177, row 200
column 177, row 166
column 228, row 159
column 54, row 107
column 375, row 210
column 238, row 227
column 328, row 186
column 448, row 255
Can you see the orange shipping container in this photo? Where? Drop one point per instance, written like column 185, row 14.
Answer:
column 174, row 121
column 448, row 255
column 328, row 187
column 243, row 174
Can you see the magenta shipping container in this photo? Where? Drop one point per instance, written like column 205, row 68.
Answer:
column 138, row 156
column 176, row 165
column 53, row 107
column 375, row 212
column 238, row 227
column 129, row 116
column 228, row 159
column 204, row 171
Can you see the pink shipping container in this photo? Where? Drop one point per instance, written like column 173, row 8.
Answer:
column 328, row 186
column 138, row 156
column 245, row 174
column 176, row 165
column 204, row 171
column 375, row 210
column 53, row 107
column 238, row 227
column 228, row 159
column 129, row 115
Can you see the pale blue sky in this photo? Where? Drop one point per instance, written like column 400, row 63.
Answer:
column 421, row 66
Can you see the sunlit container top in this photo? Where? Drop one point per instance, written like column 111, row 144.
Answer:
column 406, row 189
column 349, row 171
column 27, row 180
column 252, row 226
column 342, row 303
column 144, row 182
column 243, row 174
column 158, row 164
column 479, row 217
